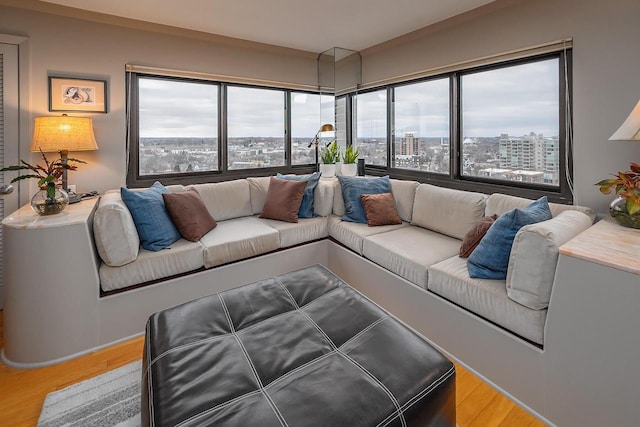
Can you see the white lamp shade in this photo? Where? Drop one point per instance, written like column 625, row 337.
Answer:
column 60, row 133
column 630, row 129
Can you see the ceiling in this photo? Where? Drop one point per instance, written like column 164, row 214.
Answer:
column 310, row 25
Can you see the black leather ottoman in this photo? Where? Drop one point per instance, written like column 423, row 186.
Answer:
column 301, row 349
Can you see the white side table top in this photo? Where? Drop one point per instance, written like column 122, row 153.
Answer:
column 26, row 218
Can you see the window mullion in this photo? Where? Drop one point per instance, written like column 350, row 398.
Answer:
column 223, row 145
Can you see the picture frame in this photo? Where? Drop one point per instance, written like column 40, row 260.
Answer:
column 74, row 94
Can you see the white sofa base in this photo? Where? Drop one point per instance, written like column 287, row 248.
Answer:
column 560, row 384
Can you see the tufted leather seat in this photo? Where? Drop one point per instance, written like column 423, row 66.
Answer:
column 300, row 349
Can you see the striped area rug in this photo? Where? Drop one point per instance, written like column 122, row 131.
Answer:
column 110, row 399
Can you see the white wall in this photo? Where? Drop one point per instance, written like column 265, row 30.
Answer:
column 61, row 45
column 606, row 67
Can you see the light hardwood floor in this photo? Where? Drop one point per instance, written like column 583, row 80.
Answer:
column 23, row 391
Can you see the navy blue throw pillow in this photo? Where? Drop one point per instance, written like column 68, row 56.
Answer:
column 154, row 225
column 353, row 187
column 306, row 207
column 491, row 258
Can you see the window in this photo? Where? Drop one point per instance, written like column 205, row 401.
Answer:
column 185, row 130
column 494, row 128
column 255, row 128
column 511, row 123
column 370, row 130
column 421, row 139
column 178, row 126
column 308, row 113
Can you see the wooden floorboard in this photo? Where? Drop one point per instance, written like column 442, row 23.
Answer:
column 22, row 392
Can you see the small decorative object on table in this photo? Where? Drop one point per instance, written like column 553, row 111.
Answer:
column 626, row 207
column 49, row 200
column 349, row 157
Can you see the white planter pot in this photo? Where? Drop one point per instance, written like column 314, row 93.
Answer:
column 338, row 168
column 328, row 170
column 349, row 169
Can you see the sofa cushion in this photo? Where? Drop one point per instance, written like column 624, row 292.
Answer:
column 306, row 206
column 115, row 233
column 323, row 197
column 410, row 251
column 189, row 214
column 447, row 211
column 338, row 200
column 283, row 199
column 404, row 193
column 236, row 239
column 226, row 200
column 380, row 209
column 180, row 257
column 258, row 187
column 353, row 187
column 352, row 234
column 486, row 298
column 490, row 259
column 304, row 231
column 501, row 203
column 534, row 256
column 475, row 234
column 153, row 223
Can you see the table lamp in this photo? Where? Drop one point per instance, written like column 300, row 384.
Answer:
column 63, row 134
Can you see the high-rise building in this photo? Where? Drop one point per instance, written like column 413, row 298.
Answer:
column 532, row 152
column 409, row 145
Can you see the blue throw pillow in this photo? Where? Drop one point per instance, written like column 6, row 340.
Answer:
column 491, row 258
column 306, row 207
column 353, row 187
column 154, row 225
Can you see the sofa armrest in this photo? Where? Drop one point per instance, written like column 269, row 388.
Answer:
column 534, row 255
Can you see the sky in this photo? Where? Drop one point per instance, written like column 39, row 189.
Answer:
column 517, row 101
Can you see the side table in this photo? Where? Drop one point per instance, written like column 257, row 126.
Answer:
column 50, row 280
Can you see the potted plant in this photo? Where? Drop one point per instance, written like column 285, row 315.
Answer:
column 626, row 207
column 49, row 200
column 329, row 156
column 349, row 158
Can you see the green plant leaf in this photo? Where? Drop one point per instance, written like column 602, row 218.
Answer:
column 21, row 177
column 13, row 168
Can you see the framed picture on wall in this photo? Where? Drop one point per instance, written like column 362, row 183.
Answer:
column 70, row 94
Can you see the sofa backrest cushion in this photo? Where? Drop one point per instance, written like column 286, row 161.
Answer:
column 338, row 201
column 499, row 204
column 534, row 256
column 322, row 195
column 226, row 200
column 283, row 199
column 404, row 193
column 189, row 214
column 114, row 232
column 155, row 227
column 306, row 206
column 258, row 187
column 447, row 211
column 353, row 187
column 490, row 260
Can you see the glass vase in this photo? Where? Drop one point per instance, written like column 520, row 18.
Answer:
column 42, row 204
column 618, row 210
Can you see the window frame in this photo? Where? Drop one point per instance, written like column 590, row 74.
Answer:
column 560, row 194
column 135, row 180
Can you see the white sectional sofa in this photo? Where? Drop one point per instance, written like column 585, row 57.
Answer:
column 519, row 334
column 423, row 249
